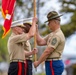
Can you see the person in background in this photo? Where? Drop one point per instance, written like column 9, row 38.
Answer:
column 27, row 47
column 16, row 50
column 55, row 42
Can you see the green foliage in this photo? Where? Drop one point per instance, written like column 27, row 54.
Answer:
column 19, row 2
column 68, row 29
column 3, row 46
column 1, row 31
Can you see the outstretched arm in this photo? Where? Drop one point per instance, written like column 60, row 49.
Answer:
column 39, row 39
column 34, row 51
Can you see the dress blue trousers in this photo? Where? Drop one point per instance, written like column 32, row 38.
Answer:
column 54, row 67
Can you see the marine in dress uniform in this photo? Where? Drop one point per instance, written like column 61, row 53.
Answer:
column 16, row 50
column 55, row 42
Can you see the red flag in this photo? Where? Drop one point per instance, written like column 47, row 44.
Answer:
column 8, row 11
column 4, row 7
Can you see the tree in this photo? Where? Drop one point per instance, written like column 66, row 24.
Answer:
column 69, row 7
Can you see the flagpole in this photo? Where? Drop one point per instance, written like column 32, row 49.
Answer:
column 35, row 34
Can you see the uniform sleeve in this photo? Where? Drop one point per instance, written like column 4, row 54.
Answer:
column 54, row 42
column 27, row 45
column 19, row 38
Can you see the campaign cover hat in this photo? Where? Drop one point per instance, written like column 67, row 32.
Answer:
column 52, row 15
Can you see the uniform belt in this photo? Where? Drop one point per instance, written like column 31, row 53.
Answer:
column 18, row 60
column 49, row 59
column 29, row 58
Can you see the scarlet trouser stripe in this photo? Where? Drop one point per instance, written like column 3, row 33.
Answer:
column 20, row 68
column 51, row 68
column 54, row 67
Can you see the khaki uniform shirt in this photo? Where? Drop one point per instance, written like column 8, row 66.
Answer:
column 27, row 47
column 16, row 46
column 56, row 40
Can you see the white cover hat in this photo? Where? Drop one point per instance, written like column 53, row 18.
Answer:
column 20, row 22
